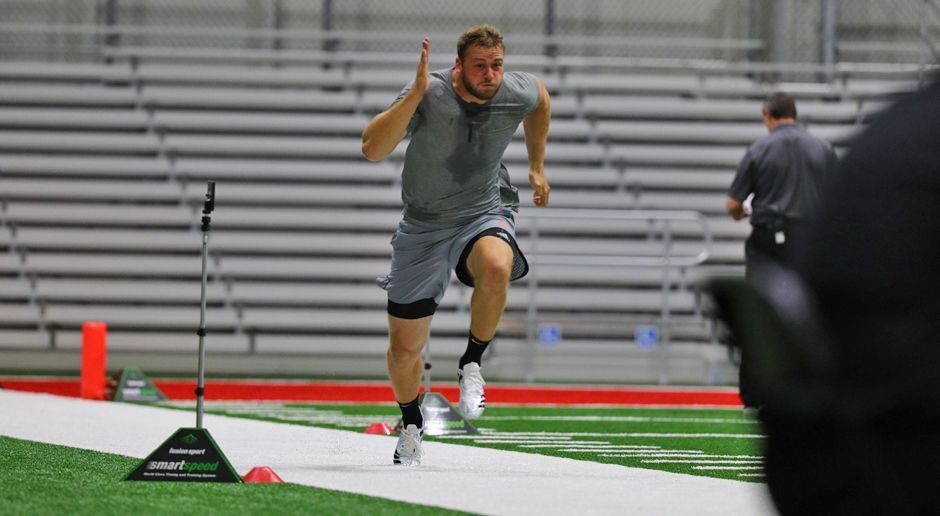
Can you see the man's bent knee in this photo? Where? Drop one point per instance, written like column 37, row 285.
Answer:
column 493, row 273
column 490, row 262
column 402, row 356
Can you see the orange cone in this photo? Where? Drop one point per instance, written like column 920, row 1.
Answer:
column 379, row 428
column 262, row 474
column 94, row 357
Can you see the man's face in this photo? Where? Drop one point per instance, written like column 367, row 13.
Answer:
column 481, row 71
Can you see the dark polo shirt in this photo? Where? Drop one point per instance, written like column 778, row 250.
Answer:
column 785, row 171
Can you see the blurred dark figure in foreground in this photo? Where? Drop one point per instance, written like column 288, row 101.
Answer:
column 849, row 357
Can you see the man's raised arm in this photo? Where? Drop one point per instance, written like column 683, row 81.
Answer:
column 389, row 127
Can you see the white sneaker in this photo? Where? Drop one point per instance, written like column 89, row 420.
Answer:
column 472, row 399
column 408, row 451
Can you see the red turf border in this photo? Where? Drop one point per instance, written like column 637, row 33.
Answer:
column 377, row 392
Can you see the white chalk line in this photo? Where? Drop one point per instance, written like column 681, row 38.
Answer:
column 626, row 419
column 558, row 442
column 729, row 468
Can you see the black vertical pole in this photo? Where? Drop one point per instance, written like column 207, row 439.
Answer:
column 208, row 206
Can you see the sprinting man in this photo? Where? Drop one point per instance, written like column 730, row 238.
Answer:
column 458, row 208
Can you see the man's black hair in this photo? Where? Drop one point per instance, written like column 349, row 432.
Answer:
column 780, row 105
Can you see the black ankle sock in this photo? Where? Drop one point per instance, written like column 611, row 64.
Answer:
column 411, row 413
column 474, row 353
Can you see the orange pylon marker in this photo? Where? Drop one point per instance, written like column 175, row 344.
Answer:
column 94, row 358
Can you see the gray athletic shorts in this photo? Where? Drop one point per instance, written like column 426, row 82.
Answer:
column 424, row 256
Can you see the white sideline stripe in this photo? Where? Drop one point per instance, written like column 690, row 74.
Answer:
column 521, row 438
column 623, row 434
column 312, row 415
column 510, row 437
column 561, row 443
column 726, row 436
column 703, row 461
column 621, row 453
column 626, row 419
column 337, row 417
column 686, row 455
column 534, row 444
column 589, row 405
column 726, row 467
column 752, row 475
column 584, row 450
column 627, row 453
column 451, row 476
column 344, row 421
column 585, row 446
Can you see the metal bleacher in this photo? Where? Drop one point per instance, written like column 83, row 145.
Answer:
column 103, row 167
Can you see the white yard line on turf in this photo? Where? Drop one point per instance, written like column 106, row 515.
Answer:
column 687, row 455
column 700, row 461
column 627, row 419
column 466, row 478
column 486, row 433
column 727, row 467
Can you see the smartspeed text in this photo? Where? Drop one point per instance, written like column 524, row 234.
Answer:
column 182, row 465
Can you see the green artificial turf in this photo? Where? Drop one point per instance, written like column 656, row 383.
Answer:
column 728, row 438
column 38, row 479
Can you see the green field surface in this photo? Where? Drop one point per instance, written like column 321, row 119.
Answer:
column 713, row 442
column 39, row 478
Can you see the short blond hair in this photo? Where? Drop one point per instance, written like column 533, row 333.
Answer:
column 485, row 36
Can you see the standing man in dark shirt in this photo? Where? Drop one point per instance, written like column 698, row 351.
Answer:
column 784, row 171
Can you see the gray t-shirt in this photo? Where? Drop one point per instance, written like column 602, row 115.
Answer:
column 785, row 171
column 453, row 170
